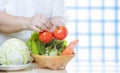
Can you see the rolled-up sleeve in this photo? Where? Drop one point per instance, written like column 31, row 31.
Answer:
column 3, row 4
column 59, row 9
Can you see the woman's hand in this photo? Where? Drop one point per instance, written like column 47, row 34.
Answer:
column 58, row 21
column 54, row 22
column 38, row 23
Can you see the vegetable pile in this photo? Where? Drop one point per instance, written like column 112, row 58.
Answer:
column 51, row 43
column 52, row 48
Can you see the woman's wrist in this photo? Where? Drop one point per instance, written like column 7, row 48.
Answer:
column 25, row 23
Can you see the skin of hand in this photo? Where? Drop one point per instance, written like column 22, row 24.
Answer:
column 54, row 22
column 38, row 23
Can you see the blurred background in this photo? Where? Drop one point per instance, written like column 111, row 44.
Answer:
column 96, row 23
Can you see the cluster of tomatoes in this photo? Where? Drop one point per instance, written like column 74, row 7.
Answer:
column 59, row 34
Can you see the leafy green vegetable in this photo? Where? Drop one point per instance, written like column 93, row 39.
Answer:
column 53, row 52
column 47, row 50
column 13, row 52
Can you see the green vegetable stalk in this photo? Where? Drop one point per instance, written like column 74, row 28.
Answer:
column 34, row 47
column 41, row 47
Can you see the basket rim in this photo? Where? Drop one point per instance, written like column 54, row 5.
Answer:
column 35, row 55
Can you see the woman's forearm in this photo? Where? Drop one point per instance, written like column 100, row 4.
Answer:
column 10, row 24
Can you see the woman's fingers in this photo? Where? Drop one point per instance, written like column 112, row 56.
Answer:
column 37, row 23
column 34, row 28
column 41, row 22
column 43, row 19
column 50, row 26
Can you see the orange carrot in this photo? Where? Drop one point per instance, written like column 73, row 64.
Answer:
column 69, row 49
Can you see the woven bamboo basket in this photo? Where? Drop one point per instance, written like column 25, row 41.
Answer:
column 52, row 62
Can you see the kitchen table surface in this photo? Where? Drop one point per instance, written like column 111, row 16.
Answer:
column 75, row 67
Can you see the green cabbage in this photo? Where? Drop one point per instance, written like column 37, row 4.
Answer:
column 14, row 52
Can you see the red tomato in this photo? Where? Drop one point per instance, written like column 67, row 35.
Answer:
column 60, row 32
column 45, row 36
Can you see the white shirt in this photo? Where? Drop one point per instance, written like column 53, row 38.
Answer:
column 29, row 8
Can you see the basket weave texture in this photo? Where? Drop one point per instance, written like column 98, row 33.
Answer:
column 52, row 62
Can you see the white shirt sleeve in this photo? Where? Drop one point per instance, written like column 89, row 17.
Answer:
column 59, row 9
column 3, row 5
